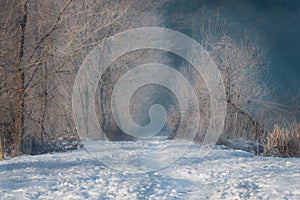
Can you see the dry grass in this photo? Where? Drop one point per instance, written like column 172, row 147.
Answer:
column 283, row 142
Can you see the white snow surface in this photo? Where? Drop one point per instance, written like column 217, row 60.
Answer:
column 223, row 174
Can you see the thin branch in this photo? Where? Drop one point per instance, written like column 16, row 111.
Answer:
column 39, row 44
column 28, row 88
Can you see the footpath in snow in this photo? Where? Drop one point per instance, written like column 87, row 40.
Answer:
column 223, row 174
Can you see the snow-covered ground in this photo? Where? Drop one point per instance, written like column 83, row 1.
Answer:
column 223, row 174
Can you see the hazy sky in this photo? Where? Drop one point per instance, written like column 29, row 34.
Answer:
column 277, row 22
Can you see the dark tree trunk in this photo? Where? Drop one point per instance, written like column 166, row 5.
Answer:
column 20, row 82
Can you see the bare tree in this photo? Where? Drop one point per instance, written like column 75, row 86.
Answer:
column 242, row 63
column 43, row 44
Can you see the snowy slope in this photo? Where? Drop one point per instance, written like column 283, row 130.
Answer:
column 223, row 174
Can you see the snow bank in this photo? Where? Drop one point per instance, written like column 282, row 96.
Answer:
column 223, row 174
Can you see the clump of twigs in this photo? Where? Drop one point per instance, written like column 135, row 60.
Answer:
column 283, row 142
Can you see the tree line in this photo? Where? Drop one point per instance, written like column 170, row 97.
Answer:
column 43, row 44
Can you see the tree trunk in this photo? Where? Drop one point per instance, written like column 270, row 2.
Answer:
column 257, row 130
column 20, row 83
column 1, row 153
